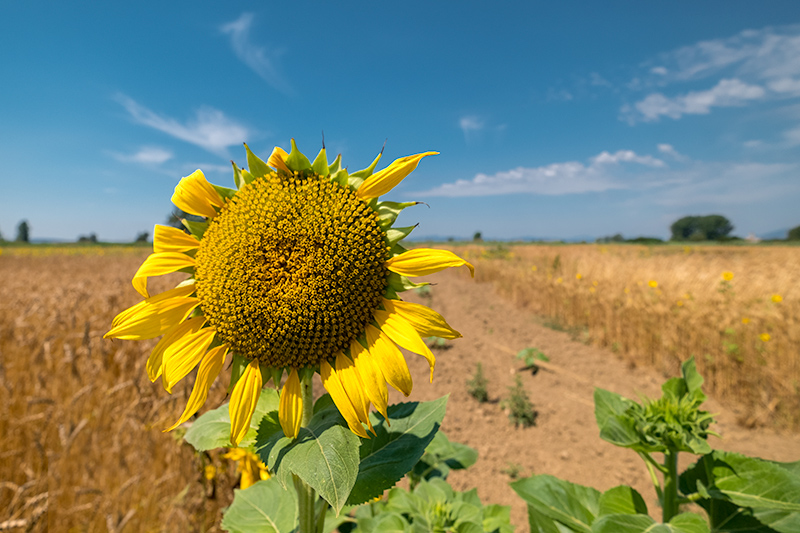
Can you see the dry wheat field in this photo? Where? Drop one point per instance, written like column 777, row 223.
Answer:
column 735, row 308
column 81, row 446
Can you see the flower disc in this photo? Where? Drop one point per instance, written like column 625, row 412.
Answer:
column 292, row 269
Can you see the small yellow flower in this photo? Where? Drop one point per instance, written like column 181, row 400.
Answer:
column 652, row 283
column 777, row 298
column 592, row 290
column 687, row 296
column 578, row 276
column 727, row 275
column 679, row 303
column 595, row 283
column 559, row 280
column 627, row 290
column 210, row 472
column 764, row 337
column 534, row 268
column 250, row 467
column 687, row 249
column 745, row 320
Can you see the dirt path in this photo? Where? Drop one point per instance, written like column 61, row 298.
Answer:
column 565, row 440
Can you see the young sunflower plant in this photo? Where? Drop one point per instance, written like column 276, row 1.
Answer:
column 298, row 270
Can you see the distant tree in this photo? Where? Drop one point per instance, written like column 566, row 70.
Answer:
column 92, row 237
column 794, row 234
column 613, row 238
column 701, row 228
column 23, row 232
column 1, row 237
column 478, row 237
column 142, row 236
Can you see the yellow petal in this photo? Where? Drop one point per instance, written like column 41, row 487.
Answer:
column 389, row 359
column 426, row 321
column 184, row 354
column 155, row 363
column 158, row 264
column 332, row 384
column 384, row 181
column 169, row 239
column 244, row 399
column 180, row 291
column 404, row 334
column 153, row 320
column 277, row 158
column 371, row 376
column 195, row 195
column 424, row 261
column 353, row 386
column 290, row 412
column 210, row 367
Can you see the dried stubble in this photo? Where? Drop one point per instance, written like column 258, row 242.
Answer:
column 659, row 305
column 81, row 446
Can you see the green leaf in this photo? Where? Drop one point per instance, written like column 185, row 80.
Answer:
column 389, row 211
column 238, row 364
column 324, row 402
column 257, row 167
column 540, row 523
column 441, row 456
column 296, row 161
column 694, row 381
column 387, row 457
column 638, row 523
column 324, row 455
column 622, row 500
column 320, row 164
column 574, row 506
column 213, row 429
column 264, row 507
column 195, row 228
column 615, row 427
column 497, row 518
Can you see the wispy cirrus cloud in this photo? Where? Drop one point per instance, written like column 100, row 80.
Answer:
column 751, row 66
column 470, row 125
column 261, row 60
column 210, row 128
column 147, row 155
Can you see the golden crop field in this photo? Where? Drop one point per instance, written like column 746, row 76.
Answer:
column 77, row 446
column 735, row 308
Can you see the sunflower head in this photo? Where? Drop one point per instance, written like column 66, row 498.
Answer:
column 298, row 268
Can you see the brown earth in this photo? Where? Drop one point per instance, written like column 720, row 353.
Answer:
column 565, row 441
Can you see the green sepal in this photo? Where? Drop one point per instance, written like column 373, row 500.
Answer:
column 296, row 161
column 277, row 375
column 388, row 212
column 367, row 172
column 320, row 164
column 247, row 177
column 256, row 165
column 225, row 192
column 390, row 294
column 400, row 283
column 195, row 228
column 397, row 249
column 395, row 235
column 336, row 166
column 238, row 364
column 238, row 179
column 341, row 177
column 354, row 182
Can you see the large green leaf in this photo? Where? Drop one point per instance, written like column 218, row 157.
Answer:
column 393, row 452
column 264, row 507
column 213, row 429
column 639, row 523
column 609, row 411
column 574, row 506
column 441, row 456
column 622, row 500
column 324, row 455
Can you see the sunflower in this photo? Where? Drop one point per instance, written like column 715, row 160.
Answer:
column 297, row 270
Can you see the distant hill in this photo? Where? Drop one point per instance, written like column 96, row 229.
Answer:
column 775, row 234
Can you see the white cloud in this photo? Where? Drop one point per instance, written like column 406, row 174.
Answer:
column 669, row 150
column 753, row 143
column 788, row 86
column 598, row 81
column 210, row 129
column 792, row 136
column 262, row 61
column 726, row 93
column 661, row 71
column 561, row 95
column 147, row 155
column 470, row 123
column 571, row 177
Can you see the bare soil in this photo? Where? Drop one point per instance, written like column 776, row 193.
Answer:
column 565, row 441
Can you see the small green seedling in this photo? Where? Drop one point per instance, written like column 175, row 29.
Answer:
column 519, row 406
column 529, row 356
column 477, row 385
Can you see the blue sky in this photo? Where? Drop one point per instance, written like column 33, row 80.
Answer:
column 555, row 119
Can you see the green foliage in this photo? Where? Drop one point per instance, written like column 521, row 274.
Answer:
column 476, row 386
column 441, row 456
column 512, row 470
column 529, row 356
column 142, row 236
column 794, row 234
column 701, row 228
column 264, row 506
column 433, row 506
column 437, row 343
column 519, row 406
column 23, row 232
column 478, row 237
column 739, row 493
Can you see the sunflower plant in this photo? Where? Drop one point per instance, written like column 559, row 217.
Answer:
column 297, row 271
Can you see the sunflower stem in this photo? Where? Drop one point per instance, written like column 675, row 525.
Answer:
column 306, row 496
